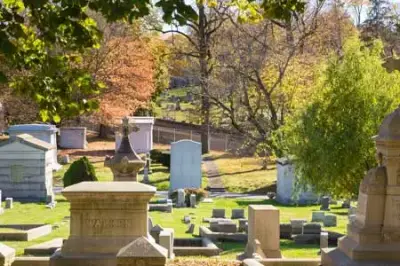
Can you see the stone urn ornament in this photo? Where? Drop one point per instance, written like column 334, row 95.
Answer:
column 125, row 164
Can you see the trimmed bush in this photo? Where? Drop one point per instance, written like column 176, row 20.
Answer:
column 199, row 192
column 79, row 171
column 155, row 155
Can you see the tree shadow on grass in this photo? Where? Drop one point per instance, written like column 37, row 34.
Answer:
column 264, row 190
column 230, row 247
column 159, row 181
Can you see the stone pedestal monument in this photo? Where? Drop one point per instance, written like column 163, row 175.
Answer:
column 373, row 237
column 125, row 164
column 106, row 219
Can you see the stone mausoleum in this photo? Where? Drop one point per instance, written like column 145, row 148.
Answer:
column 26, row 169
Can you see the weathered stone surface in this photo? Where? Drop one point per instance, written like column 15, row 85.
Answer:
column 31, row 261
column 227, row 227
column 312, row 228
column 193, row 201
column 264, row 228
column 218, row 213
column 142, row 252
column 306, row 239
column 105, row 217
column 181, row 202
column 297, row 226
column 185, row 165
column 238, row 214
column 167, row 241
column 190, row 229
column 73, row 137
column 195, row 247
column 9, row 203
column 323, row 240
column 7, row 255
column 156, row 231
column 318, row 216
column 125, row 164
column 27, row 232
column 325, row 203
column 330, row 220
column 285, row 231
column 44, row 249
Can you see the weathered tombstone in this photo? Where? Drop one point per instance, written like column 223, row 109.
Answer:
column 218, row 213
column 7, row 255
column 140, row 252
column 323, row 240
column 226, row 227
column 237, row 214
column 330, row 220
column 190, row 229
column 318, row 216
column 102, row 227
column 285, row 231
column 311, row 228
column 9, row 203
column 193, row 201
column 141, row 138
column 43, row 132
column 286, row 180
column 65, row 159
column 297, row 226
column 373, row 236
column 73, row 137
column 181, row 201
column 26, row 169
column 346, row 204
column 167, row 241
column 125, row 164
column 185, row 165
column 263, row 228
column 325, row 203
column 156, row 231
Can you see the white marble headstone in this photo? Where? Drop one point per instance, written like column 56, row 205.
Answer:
column 185, row 164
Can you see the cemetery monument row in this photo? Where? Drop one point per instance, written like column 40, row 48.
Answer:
column 373, row 237
column 26, row 172
column 141, row 138
column 43, row 132
column 185, row 165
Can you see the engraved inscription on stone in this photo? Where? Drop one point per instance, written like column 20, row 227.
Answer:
column 396, row 209
column 101, row 224
column 17, row 173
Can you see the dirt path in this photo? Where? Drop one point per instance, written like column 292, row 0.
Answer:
column 215, row 183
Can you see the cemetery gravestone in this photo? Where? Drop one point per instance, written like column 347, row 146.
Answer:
column 237, row 214
column 325, row 203
column 330, row 220
column 7, row 255
column 43, row 132
column 73, row 137
column 185, row 165
column 141, row 138
column 297, row 226
column 263, row 226
column 323, row 241
column 311, row 228
column 9, row 203
column 285, row 231
column 100, row 225
column 190, row 229
column 218, row 213
column 167, row 241
column 318, row 216
column 286, row 180
column 181, row 202
column 193, row 201
column 156, row 231
column 346, row 204
column 26, row 172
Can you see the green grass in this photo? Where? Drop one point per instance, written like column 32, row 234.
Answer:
column 38, row 213
column 244, row 174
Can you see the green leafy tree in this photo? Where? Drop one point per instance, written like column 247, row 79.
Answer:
column 41, row 43
column 331, row 139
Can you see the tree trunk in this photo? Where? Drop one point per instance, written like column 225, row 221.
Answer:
column 205, row 101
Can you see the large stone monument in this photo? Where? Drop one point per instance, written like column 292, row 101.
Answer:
column 185, row 164
column 373, row 237
column 142, row 138
column 43, row 132
column 26, row 172
column 107, row 219
column 125, row 164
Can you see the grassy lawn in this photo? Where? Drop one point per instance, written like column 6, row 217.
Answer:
column 244, row 174
column 58, row 217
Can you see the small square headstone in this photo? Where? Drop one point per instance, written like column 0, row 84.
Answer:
column 186, row 219
column 318, row 216
column 218, row 213
column 330, row 220
column 237, row 214
column 181, row 198
column 193, row 201
column 9, row 203
column 325, row 203
column 190, row 229
column 297, row 226
column 323, row 240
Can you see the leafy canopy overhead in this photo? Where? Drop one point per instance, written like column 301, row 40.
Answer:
column 41, row 43
column 331, row 140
